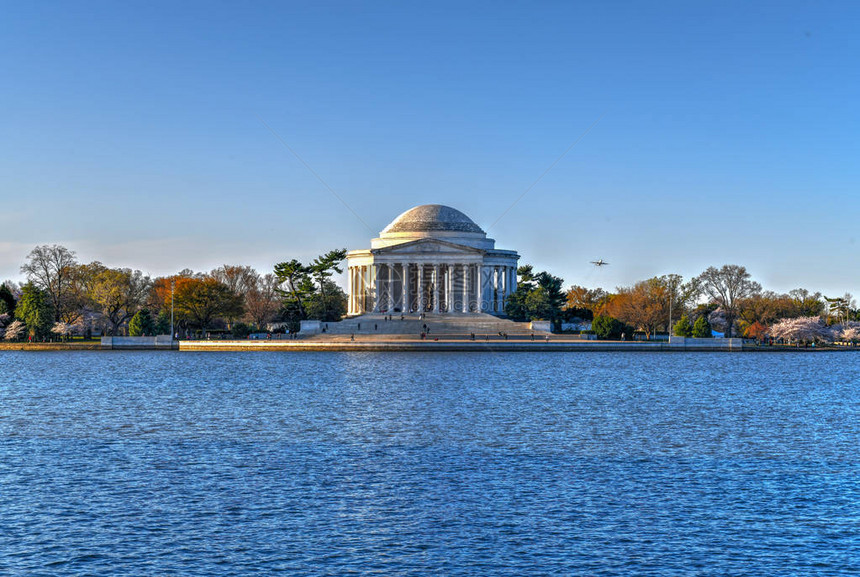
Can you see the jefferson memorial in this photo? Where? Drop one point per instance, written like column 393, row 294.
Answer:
column 431, row 259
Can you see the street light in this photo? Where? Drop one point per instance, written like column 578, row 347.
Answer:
column 172, row 285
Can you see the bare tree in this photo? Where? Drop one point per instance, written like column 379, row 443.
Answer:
column 262, row 301
column 119, row 293
column 238, row 278
column 727, row 287
column 50, row 268
column 78, row 300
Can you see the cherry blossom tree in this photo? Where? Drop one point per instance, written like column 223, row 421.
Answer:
column 15, row 331
column 802, row 329
column 848, row 332
column 62, row 329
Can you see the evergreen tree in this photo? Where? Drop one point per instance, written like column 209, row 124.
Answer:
column 683, row 328
column 606, row 327
column 241, row 330
column 141, row 324
column 702, row 328
column 7, row 300
column 34, row 310
column 538, row 297
column 162, row 323
column 328, row 305
column 308, row 292
column 298, row 287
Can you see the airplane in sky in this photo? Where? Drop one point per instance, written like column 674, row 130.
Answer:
column 600, row 262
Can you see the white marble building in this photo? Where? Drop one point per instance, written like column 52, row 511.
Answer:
column 435, row 259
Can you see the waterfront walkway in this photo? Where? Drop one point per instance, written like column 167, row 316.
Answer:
column 454, row 342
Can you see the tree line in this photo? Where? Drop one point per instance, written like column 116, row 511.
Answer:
column 725, row 299
column 63, row 297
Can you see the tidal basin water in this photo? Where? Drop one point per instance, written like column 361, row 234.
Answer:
column 135, row 463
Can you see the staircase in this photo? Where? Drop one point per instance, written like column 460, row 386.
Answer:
column 437, row 324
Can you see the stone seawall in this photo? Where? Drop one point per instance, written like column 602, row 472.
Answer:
column 722, row 345
column 161, row 342
column 69, row 346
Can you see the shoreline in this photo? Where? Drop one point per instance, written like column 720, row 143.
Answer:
column 416, row 345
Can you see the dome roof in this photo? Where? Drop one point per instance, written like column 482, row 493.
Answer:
column 432, row 217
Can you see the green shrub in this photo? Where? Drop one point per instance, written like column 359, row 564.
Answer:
column 241, row 330
column 606, row 327
column 702, row 328
column 162, row 323
column 683, row 328
column 141, row 324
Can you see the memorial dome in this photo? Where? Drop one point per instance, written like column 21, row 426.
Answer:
column 431, row 218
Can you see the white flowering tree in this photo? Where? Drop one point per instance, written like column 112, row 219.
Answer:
column 810, row 329
column 15, row 331
column 848, row 332
column 62, row 330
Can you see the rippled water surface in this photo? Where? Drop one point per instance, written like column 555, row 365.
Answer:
column 126, row 463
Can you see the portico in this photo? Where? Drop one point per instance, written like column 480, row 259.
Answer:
column 431, row 259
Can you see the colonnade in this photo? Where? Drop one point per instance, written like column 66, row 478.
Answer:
column 405, row 287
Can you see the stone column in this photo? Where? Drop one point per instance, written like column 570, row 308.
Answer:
column 452, row 288
column 358, row 290
column 446, row 294
column 479, row 274
column 500, row 290
column 376, row 292
column 491, row 289
column 419, row 306
column 405, row 304
column 465, row 307
column 351, row 294
column 503, row 279
column 362, row 281
column 442, row 283
column 356, row 287
column 365, row 287
column 393, row 285
column 435, row 288
column 351, row 276
column 449, row 288
column 356, row 307
column 496, row 289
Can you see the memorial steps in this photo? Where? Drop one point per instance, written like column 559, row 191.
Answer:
column 437, row 324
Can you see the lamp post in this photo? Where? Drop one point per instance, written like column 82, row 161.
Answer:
column 671, row 296
column 673, row 284
column 172, row 286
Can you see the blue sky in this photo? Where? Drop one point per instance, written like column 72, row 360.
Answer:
column 728, row 132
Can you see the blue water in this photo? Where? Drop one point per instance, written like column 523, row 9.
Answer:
column 121, row 463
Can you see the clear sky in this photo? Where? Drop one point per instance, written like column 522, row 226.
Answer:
column 131, row 132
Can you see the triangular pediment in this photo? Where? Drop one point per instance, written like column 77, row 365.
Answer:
column 428, row 246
